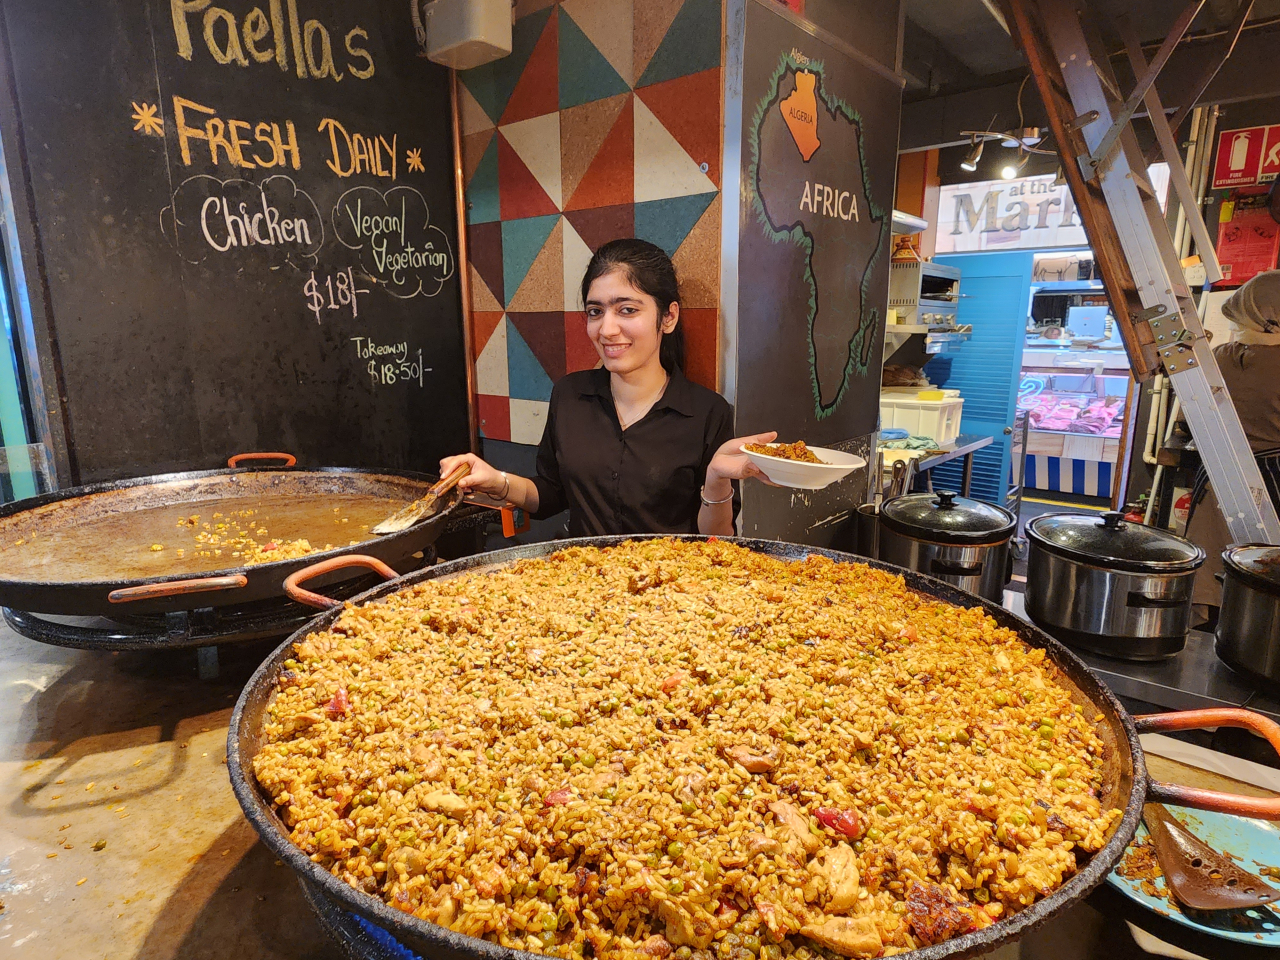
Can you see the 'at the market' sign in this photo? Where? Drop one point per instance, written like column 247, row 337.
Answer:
column 1007, row 215
column 1017, row 214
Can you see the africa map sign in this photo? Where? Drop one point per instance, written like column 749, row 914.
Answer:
column 819, row 149
column 823, row 206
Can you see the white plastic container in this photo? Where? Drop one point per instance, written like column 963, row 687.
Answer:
column 939, row 419
column 912, row 391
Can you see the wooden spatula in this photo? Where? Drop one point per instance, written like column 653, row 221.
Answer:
column 424, row 507
column 1198, row 875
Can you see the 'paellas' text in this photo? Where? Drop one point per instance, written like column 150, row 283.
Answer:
column 278, row 34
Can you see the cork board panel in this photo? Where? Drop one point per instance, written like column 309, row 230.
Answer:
column 697, row 261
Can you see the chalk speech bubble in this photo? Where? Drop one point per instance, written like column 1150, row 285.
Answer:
column 400, row 248
column 276, row 220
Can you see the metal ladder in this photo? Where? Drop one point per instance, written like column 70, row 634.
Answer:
column 1153, row 304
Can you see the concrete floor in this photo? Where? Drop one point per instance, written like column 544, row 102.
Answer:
column 129, row 749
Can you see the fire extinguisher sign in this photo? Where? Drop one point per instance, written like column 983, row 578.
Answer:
column 1243, row 159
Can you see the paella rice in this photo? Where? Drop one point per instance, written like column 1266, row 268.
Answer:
column 241, row 535
column 684, row 748
column 797, row 451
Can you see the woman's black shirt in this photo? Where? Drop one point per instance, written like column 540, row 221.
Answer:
column 645, row 479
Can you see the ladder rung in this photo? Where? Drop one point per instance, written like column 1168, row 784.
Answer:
column 1144, row 185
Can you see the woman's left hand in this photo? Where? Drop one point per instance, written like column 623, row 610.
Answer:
column 730, row 463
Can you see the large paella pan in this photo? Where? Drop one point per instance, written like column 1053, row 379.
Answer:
column 790, row 794
column 210, row 538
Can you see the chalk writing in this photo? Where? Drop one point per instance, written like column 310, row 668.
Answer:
column 265, row 37
column 413, row 160
column 275, row 217
column 399, row 246
column 273, row 148
column 146, row 120
column 342, row 292
column 391, row 363
column 357, row 153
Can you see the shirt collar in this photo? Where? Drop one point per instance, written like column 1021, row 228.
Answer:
column 678, row 396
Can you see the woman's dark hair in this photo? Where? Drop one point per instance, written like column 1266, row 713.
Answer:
column 647, row 268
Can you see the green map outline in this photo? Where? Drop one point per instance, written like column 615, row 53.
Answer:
column 796, row 233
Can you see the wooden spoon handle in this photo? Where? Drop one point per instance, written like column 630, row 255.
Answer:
column 445, row 484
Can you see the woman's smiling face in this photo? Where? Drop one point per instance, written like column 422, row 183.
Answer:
column 623, row 323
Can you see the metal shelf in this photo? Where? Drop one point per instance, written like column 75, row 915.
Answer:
column 1069, row 286
column 904, row 224
column 913, row 328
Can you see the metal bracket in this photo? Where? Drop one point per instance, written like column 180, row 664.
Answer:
column 1175, row 344
column 1166, row 325
column 177, row 624
column 1179, row 355
column 1083, row 120
column 1089, row 163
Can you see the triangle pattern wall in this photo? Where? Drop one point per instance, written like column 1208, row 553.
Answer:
column 604, row 122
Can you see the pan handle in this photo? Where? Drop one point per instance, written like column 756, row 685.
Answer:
column 175, row 588
column 1263, row 808
column 288, row 458
column 298, row 593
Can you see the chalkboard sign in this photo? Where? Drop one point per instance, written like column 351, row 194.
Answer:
column 244, row 230
column 818, row 157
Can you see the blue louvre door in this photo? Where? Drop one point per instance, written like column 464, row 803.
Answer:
column 995, row 296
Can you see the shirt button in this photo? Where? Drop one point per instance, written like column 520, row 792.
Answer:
column 615, row 475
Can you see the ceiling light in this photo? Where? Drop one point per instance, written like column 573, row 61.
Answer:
column 1013, row 169
column 970, row 162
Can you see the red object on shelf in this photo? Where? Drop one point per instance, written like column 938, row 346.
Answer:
column 796, row 6
column 1248, row 238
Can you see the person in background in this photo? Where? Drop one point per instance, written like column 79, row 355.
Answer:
column 1250, row 365
column 631, row 446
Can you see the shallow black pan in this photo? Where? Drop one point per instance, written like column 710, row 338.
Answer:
column 1126, row 785
column 86, row 551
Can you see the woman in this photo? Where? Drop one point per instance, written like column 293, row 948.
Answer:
column 1250, row 364
column 631, row 446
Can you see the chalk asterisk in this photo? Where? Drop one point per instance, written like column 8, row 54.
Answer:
column 414, row 161
column 147, row 121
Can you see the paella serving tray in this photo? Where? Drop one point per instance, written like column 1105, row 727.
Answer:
column 1252, row 844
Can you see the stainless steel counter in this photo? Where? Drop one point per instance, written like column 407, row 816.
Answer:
column 1190, row 680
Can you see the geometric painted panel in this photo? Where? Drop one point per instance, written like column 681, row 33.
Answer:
column 495, row 416
column 527, row 379
column 603, row 122
column 528, row 419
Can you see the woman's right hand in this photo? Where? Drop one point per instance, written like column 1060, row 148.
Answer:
column 482, row 478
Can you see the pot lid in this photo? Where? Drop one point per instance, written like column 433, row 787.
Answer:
column 946, row 518
column 1258, row 564
column 1110, row 541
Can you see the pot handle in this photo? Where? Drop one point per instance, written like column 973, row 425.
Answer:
column 175, row 588
column 950, row 568
column 1263, row 808
column 288, row 458
column 301, row 595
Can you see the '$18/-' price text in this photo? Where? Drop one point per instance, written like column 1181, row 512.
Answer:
column 333, row 292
